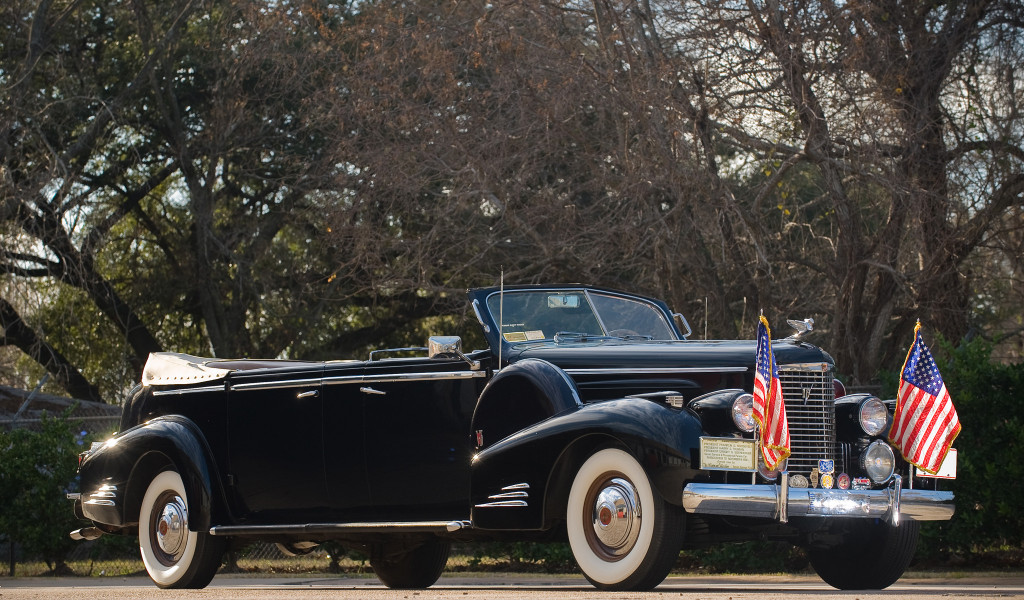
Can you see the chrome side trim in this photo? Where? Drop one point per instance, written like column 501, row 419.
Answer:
column 332, row 529
column 276, row 385
column 457, row 525
column 764, row 501
column 105, row 495
column 399, row 377
column 503, row 504
column 423, row 376
column 816, row 367
column 654, row 370
column 504, row 499
column 196, row 390
column 503, row 495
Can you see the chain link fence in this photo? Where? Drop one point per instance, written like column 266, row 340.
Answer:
column 118, row 556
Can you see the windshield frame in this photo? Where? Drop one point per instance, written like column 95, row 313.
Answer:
column 482, row 299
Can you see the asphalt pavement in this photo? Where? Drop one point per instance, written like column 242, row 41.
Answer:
column 512, row 586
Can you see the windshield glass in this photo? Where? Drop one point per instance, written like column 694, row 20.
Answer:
column 530, row 315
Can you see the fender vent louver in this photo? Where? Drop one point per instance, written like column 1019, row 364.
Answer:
column 510, row 496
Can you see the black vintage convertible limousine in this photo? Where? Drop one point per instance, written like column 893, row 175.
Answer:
column 591, row 417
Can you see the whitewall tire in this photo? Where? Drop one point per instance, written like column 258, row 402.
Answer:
column 623, row 535
column 175, row 557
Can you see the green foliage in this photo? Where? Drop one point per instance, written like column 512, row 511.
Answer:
column 990, row 471
column 744, row 557
column 549, row 557
column 37, row 469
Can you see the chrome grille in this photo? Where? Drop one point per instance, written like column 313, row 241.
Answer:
column 811, row 413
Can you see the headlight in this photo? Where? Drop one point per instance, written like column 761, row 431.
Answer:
column 873, row 416
column 878, row 461
column 762, row 469
column 743, row 412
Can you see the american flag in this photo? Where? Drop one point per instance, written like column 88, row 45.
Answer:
column 925, row 423
column 769, row 407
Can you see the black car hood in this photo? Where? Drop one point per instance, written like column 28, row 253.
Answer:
column 667, row 354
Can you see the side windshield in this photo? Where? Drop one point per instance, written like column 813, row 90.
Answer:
column 538, row 315
column 628, row 317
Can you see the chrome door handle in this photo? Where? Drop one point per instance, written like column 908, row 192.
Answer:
column 307, row 394
column 370, row 390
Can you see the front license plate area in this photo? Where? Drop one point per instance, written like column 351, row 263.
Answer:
column 946, row 471
column 727, row 454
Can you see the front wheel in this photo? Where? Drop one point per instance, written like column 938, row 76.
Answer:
column 622, row 534
column 174, row 556
column 870, row 555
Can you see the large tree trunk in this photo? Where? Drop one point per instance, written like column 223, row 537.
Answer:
column 14, row 330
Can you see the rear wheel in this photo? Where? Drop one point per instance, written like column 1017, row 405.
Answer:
column 174, row 556
column 415, row 568
column 623, row 535
column 869, row 556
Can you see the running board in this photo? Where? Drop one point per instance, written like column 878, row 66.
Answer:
column 333, row 529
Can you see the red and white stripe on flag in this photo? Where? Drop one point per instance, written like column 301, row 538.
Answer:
column 769, row 406
column 925, row 423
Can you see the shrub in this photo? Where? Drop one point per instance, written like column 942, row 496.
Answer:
column 989, row 399
column 37, row 469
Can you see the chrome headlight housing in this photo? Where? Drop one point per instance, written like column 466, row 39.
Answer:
column 743, row 413
column 873, row 416
column 762, row 469
column 879, row 461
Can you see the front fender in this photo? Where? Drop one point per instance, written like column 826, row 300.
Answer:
column 520, row 395
column 114, row 477
column 523, row 481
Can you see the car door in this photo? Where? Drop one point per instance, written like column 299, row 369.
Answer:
column 417, row 417
column 275, row 441
column 344, row 438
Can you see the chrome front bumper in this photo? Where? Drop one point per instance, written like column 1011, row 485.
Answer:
column 781, row 502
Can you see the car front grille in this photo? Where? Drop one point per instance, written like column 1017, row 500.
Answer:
column 811, row 413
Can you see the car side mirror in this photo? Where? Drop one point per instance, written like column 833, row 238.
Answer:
column 449, row 346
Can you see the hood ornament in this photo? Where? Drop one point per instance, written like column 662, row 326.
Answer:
column 801, row 327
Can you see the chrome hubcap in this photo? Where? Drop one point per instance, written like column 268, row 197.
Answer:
column 616, row 517
column 172, row 527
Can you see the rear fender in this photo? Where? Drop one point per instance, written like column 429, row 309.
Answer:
column 114, row 478
column 523, row 481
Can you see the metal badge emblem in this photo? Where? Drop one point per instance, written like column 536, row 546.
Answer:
column 861, row 483
column 826, row 466
column 797, row 481
column 814, row 477
column 843, row 481
column 826, row 481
